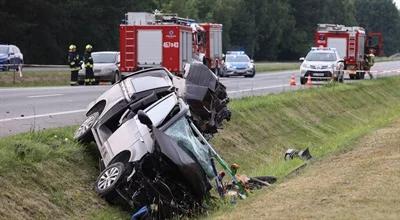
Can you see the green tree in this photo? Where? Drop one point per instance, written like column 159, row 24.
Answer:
column 381, row 16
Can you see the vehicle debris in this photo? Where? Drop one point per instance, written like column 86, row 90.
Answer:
column 152, row 130
column 302, row 154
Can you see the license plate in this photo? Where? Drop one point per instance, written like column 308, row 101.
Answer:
column 318, row 74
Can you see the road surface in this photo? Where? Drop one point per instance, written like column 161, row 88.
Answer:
column 28, row 109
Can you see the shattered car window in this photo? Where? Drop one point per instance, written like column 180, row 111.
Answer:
column 183, row 134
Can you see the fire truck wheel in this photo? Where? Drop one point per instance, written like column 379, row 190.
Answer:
column 341, row 78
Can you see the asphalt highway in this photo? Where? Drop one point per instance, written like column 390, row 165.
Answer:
column 32, row 109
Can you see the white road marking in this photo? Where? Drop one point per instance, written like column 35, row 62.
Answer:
column 43, row 115
column 259, row 88
column 42, row 96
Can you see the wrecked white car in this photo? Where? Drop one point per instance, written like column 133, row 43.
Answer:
column 150, row 130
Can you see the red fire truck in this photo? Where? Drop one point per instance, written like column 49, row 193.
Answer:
column 148, row 40
column 352, row 43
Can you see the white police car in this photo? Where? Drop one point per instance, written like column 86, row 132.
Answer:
column 322, row 64
column 237, row 63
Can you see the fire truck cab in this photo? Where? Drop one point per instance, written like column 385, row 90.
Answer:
column 352, row 43
column 207, row 45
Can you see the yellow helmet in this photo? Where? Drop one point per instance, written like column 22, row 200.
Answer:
column 89, row 47
column 72, row 47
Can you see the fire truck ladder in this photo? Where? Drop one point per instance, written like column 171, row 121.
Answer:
column 173, row 18
column 130, row 42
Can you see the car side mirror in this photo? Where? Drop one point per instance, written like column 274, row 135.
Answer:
column 144, row 119
column 301, row 58
column 251, row 61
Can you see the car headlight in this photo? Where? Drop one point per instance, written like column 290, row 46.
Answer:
column 305, row 65
column 228, row 66
column 250, row 65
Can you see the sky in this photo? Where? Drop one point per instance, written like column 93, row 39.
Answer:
column 397, row 3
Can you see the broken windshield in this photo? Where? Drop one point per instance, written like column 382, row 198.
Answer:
column 183, row 134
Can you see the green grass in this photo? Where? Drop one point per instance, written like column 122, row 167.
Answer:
column 52, row 176
column 276, row 66
column 35, row 78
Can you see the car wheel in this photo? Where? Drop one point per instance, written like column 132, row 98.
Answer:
column 84, row 132
column 302, row 80
column 115, row 78
column 108, row 181
column 252, row 75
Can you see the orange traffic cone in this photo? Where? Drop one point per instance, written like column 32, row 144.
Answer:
column 309, row 82
column 292, row 81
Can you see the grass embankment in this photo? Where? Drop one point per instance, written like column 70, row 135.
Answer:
column 362, row 183
column 42, row 175
column 35, row 78
column 276, row 66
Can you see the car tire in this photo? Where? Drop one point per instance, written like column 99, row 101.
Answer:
column 84, row 133
column 108, row 181
column 116, row 78
column 302, row 80
column 252, row 75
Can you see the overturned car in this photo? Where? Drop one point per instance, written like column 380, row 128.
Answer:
column 151, row 129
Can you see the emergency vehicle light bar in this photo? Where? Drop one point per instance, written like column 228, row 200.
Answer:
column 235, row 52
column 322, row 48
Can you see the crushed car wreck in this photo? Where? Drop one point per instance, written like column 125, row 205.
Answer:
column 151, row 129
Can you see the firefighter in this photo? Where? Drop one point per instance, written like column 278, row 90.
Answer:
column 369, row 62
column 88, row 60
column 74, row 64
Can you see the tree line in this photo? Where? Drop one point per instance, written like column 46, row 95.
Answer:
column 265, row 29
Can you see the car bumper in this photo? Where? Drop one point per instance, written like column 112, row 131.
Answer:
column 99, row 76
column 319, row 75
column 238, row 72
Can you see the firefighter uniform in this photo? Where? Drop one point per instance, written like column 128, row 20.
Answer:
column 89, row 78
column 74, row 64
column 369, row 62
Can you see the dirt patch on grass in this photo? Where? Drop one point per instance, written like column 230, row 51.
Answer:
column 360, row 184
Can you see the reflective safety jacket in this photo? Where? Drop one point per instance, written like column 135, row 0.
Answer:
column 74, row 61
column 88, row 60
column 370, row 59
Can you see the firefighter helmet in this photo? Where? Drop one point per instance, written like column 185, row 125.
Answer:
column 72, row 47
column 88, row 47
